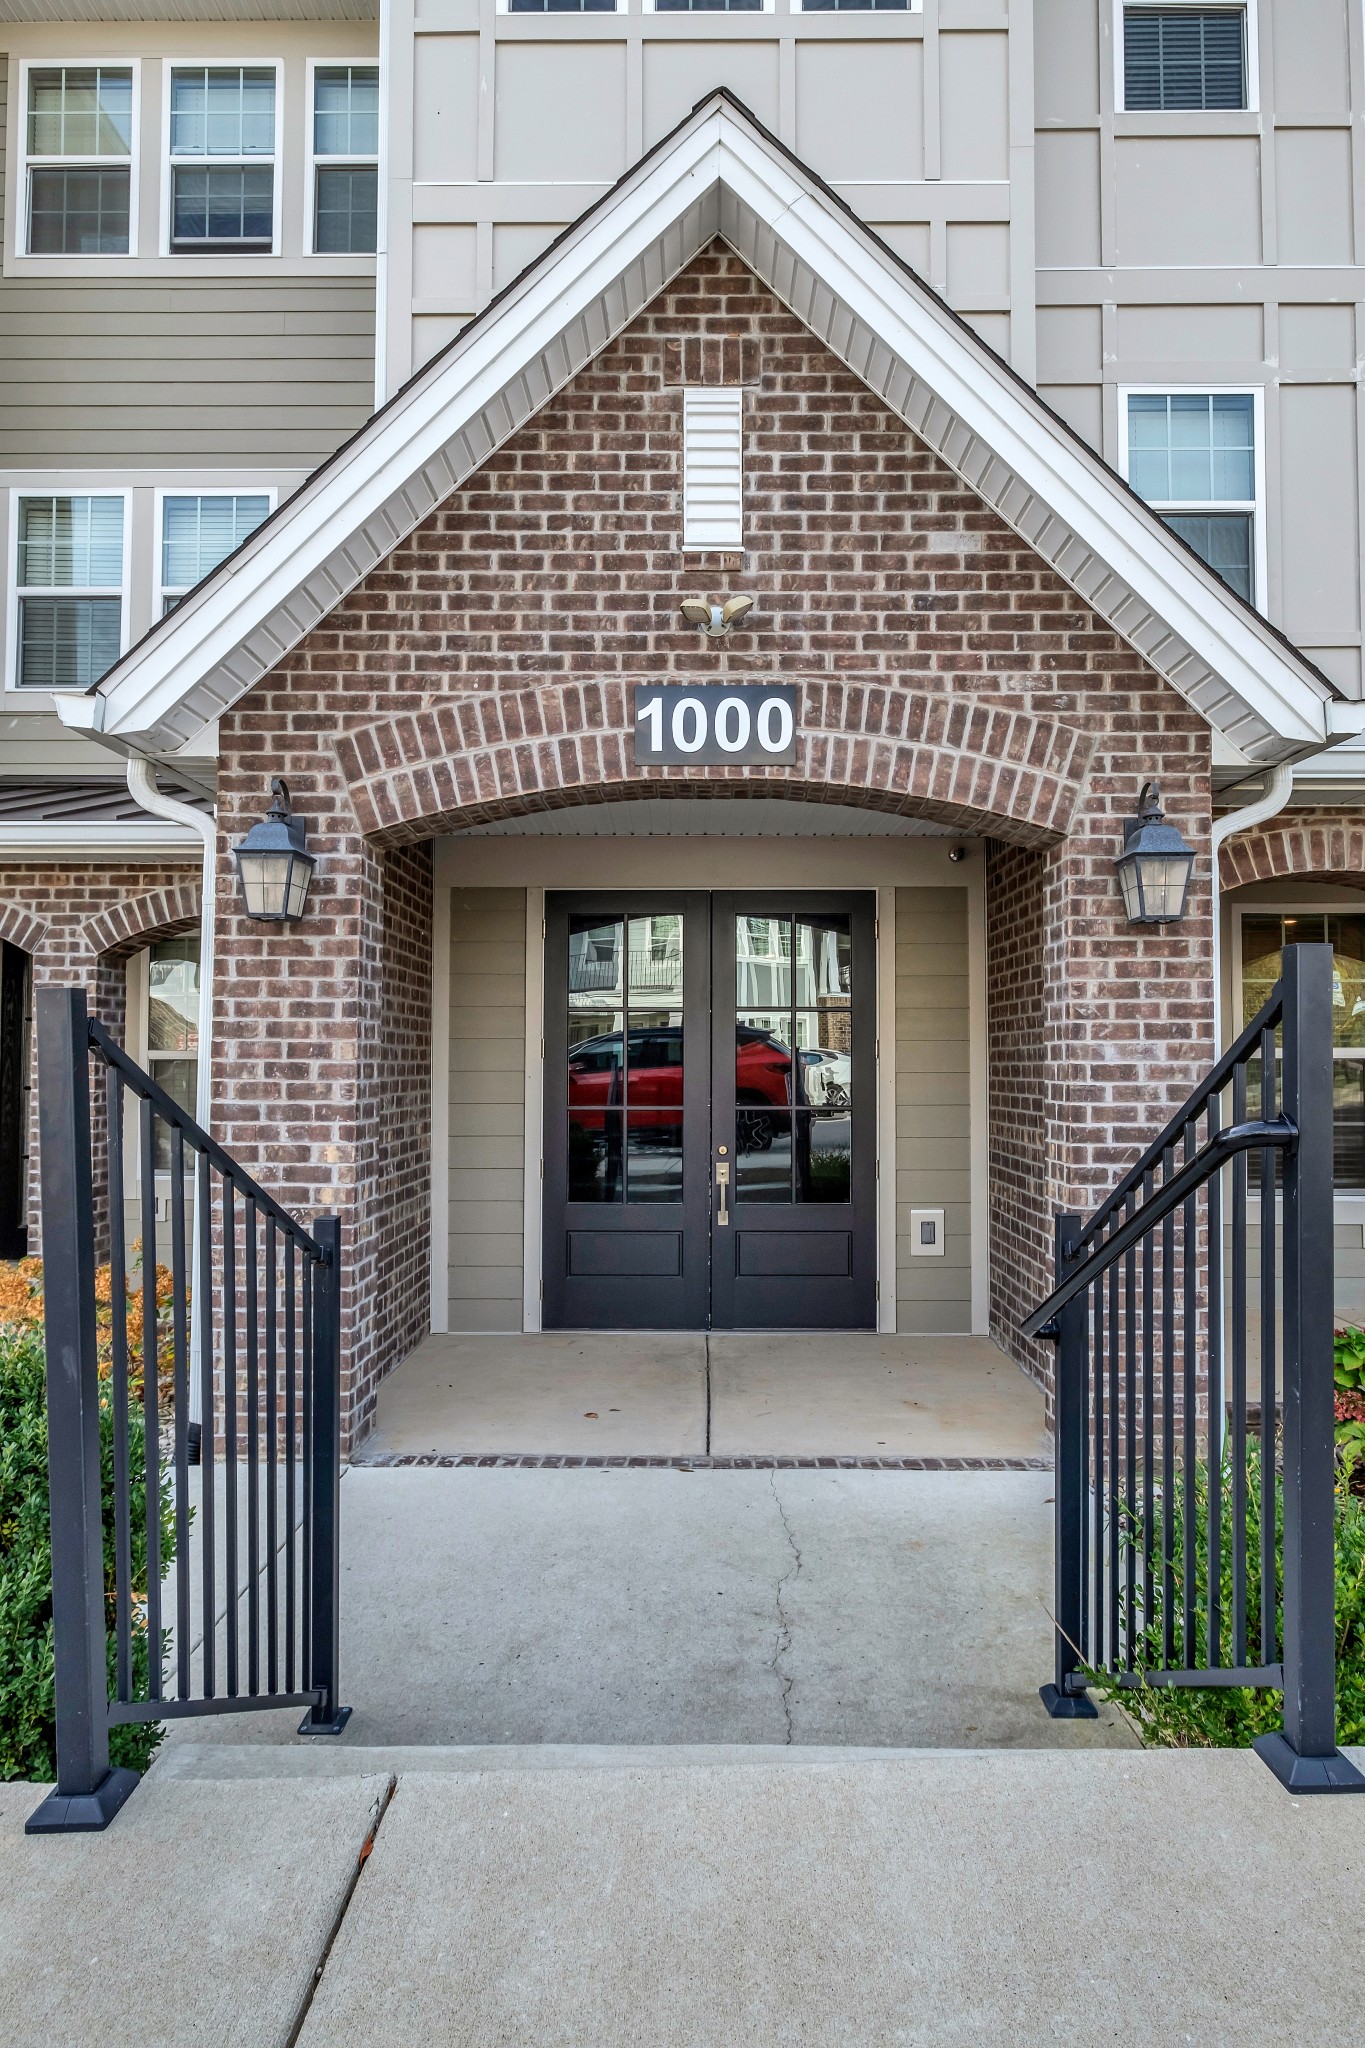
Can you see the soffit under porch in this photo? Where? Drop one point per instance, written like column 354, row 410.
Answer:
column 718, row 174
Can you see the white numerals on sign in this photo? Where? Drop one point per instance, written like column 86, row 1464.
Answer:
column 713, row 725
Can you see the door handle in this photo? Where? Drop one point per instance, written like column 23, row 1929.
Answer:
column 723, row 1184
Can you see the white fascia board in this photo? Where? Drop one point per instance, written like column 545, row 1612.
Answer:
column 134, row 840
column 718, row 175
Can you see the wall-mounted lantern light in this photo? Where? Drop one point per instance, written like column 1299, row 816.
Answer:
column 273, row 865
column 1154, row 867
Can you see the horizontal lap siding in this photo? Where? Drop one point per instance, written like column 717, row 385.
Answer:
column 487, row 1107
column 933, row 1105
column 192, row 370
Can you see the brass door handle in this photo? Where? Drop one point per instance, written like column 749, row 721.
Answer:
column 723, row 1183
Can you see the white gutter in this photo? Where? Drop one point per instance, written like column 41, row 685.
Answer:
column 1272, row 800
column 78, row 839
column 142, row 786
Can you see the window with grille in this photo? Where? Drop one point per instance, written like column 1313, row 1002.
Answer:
column 345, row 159
column 713, row 467
column 199, row 532
column 708, row 6
column 173, row 1029
column 1183, row 57
column 1265, row 935
column 854, row 6
column 1192, row 456
column 78, row 144
column 223, row 158
column 561, row 6
column 69, row 571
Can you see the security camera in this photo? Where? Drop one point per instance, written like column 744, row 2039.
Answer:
column 958, row 853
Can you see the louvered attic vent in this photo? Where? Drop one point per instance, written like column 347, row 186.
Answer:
column 713, row 467
column 1175, row 57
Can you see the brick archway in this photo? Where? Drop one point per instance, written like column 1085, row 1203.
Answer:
column 140, row 920
column 471, row 759
column 21, row 928
column 1321, row 847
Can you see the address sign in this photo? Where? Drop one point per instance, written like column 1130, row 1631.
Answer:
column 715, row 723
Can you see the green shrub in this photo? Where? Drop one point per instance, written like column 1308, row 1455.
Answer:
column 1348, row 1372
column 27, row 1734
column 1230, row 1717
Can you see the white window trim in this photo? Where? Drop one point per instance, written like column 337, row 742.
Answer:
column 24, row 162
column 1194, row 506
column 686, row 14
column 539, row 14
column 312, row 162
column 193, row 489
column 17, row 493
column 910, row 7
column 1253, row 61
column 203, row 62
column 1349, row 1202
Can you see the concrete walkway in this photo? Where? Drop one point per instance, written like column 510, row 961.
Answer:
column 671, row 1394
column 779, row 1899
column 668, row 1606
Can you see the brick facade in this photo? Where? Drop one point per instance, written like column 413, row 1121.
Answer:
column 556, row 570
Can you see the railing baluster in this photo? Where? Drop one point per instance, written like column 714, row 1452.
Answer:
column 1114, row 1502
column 203, row 1218
column 118, row 1371
column 1238, row 1431
column 1097, row 1355
column 1130, row 1384
column 1148, row 1416
column 1168, row 1423
column 253, row 1451
column 291, row 1455
column 272, row 1593
column 1216, row 1395
column 230, row 1473
column 181, row 1417
column 1189, row 1414
column 150, row 1408
column 1270, row 1633
column 309, row 1272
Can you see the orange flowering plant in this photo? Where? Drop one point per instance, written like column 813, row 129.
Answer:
column 21, row 1308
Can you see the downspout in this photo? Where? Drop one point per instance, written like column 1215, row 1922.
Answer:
column 1272, row 800
column 142, row 787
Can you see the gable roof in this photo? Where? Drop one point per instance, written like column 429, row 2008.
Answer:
column 718, row 173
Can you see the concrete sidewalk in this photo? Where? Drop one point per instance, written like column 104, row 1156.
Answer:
column 778, row 1899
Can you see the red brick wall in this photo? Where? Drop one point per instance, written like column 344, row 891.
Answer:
column 1328, row 845
column 559, row 562
column 62, row 898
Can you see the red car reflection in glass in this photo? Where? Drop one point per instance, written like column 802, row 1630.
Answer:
column 762, row 1071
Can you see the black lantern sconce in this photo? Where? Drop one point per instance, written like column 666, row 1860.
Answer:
column 274, row 867
column 1155, row 865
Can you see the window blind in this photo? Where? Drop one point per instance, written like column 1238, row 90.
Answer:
column 1176, row 57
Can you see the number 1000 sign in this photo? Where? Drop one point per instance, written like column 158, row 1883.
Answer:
column 712, row 725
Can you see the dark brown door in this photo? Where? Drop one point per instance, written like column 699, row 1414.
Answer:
column 709, row 1121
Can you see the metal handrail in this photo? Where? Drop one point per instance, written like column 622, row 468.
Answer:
column 1213, row 1084
column 1278, row 1132
column 170, row 1111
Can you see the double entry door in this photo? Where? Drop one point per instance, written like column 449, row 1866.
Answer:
column 710, row 1129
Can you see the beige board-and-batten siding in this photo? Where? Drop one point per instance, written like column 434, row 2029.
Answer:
column 487, row 1107
column 933, row 1106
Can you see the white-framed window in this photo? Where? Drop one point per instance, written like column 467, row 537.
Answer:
column 708, row 6
column 196, row 530
column 79, row 159
column 1184, row 56
column 69, row 582
column 163, row 1036
column 1263, row 933
column 1197, row 458
column 859, row 6
column 713, row 466
column 222, row 146
column 343, row 163
column 557, row 6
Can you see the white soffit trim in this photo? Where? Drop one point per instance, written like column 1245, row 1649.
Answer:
column 717, row 174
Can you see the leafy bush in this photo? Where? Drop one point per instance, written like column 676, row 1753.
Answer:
column 27, row 1732
column 1230, row 1717
column 1348, row 1363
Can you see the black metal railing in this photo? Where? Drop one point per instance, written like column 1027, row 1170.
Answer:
column 1194, row 1396
column 217, row 1381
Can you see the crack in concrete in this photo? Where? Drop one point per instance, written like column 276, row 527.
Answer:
column 786, row 1679
column 378, row 1811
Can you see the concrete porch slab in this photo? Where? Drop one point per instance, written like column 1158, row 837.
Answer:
column 944, row 1901
column 854, row 1394
column 199, row 1915
column 640, row 1394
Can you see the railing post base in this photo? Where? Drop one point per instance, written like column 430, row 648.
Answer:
column 1335, row 1773
column 82, row 1813
column 1068, row 1706
column 309, row 1726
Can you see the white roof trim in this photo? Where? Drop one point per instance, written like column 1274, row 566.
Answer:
column 719, row 173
